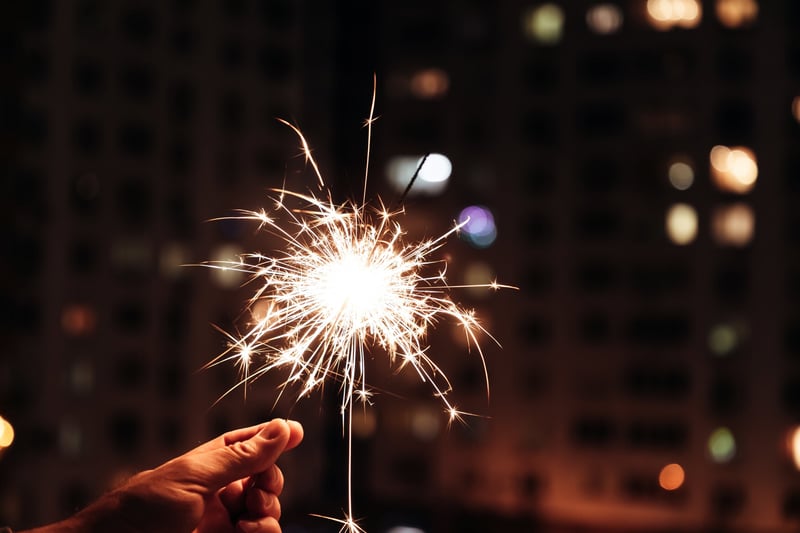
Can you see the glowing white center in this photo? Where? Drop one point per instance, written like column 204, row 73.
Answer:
column 352, row 288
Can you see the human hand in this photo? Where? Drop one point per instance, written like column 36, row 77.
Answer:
column 227, row 485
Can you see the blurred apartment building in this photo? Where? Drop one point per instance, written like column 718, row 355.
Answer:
column 632, row 165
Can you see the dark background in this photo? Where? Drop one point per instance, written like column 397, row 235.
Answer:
column 126, row 125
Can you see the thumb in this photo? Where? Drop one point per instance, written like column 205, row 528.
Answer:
column 244, row 458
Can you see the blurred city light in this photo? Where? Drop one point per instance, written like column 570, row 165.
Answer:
column 544, row 23
column 429, row 83
column 737, row 13
column 681, row 224
column 721, row 445
column 432, row 178
column 225, row 276
column 6, row 433
column 478, row 273
column 725, row 337
column 78, row 320
column 425, row 424
column 666, row 14
column 681, row 174
column 604, row 18
column 172, row 260
column 793, row 445
column 733, row 169
column 405, row 529
column 365, row 422
column 671, row 477
column 479, row 228
column 733, row 225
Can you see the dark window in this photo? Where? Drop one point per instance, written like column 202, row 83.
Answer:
column 790, row 395
column 136, row 139
column 601, row 119
column 130, row 317
column 82, row 257
column 726, row 397
column 600, row 68
column 537, row 279
column 535, row 330
column 183, row 41
column 734, row 64
column 540, row 76
column 727, row 500
column 596, row 224
column 538, row 228
column 539, row 181
column 539, row 127
column 791, row 504
column 231, row 53
column 172, row 380
column 659, row 278
column 595, row 328
column 234, row 8
column 661, row 384
column 599, row 175
column 659, row 329
column 180, row 157
column 735, row 121
column 170, row 433
column 125, row 432
column 182, row 101
column 138, row 24
column 87, row 136
column 130, row 371
column 657, row 435
column 134, row 201
column 731, row 283
column 593, row 276
column 137, row 82
column 275, row 64
column 593, row 431
column 791, row 338
column 231, row 112
column 89, row 77
column 277, row 14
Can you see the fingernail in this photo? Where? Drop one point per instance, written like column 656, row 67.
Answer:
column 248, row 527
column 272, row 430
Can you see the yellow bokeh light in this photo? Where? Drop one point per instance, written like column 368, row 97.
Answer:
column 733, row 225
column 681, row 224
column 796, row 108
column 227, row 276
column 671, row 477
column 429, row 83
column 666, row 14
column 736, row 13
column 733, row 169
column 721, row 445
column 78, row 320
column 544, row 23
column 681, row 174
column 6, row 433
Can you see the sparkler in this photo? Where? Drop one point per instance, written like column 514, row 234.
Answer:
column 346, row 282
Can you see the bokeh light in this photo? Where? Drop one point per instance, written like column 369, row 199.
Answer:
column 223, row 276
column 6, row 433
column 793, row 445
column 479, row 229
column 404, row 529
column 733, row 225
column 476, row 276
column 365, row 422
column 736, row 13
column 425, row 424
column 172, row 260
column 725, row 337
column 78, row 320
column 604, row 19
column 666, row 14
column 796, row 108
column 432, row 179
column 544, row 24
column 671, row 477
column 681, row 224
column 721, row 445
column 681, row 174
column 733, row 169
column 429, row 83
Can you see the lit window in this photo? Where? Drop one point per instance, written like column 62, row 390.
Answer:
column 6, row 433
column 432, row 179
column 737, row 13
column 604, row 18
column 81, row 377
column 132, row 255
column 733, row 225
column 733, row 169
column 224, row 271
column 681, row 174
column 681, row 224
column 544, row 23
column 721, row 445
column 478, row 226
column 666, row 14
column 429, row 83
column 70, row 438
column 78, row 320
column 671, row 477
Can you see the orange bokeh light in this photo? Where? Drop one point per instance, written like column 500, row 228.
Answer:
column 671, row 477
